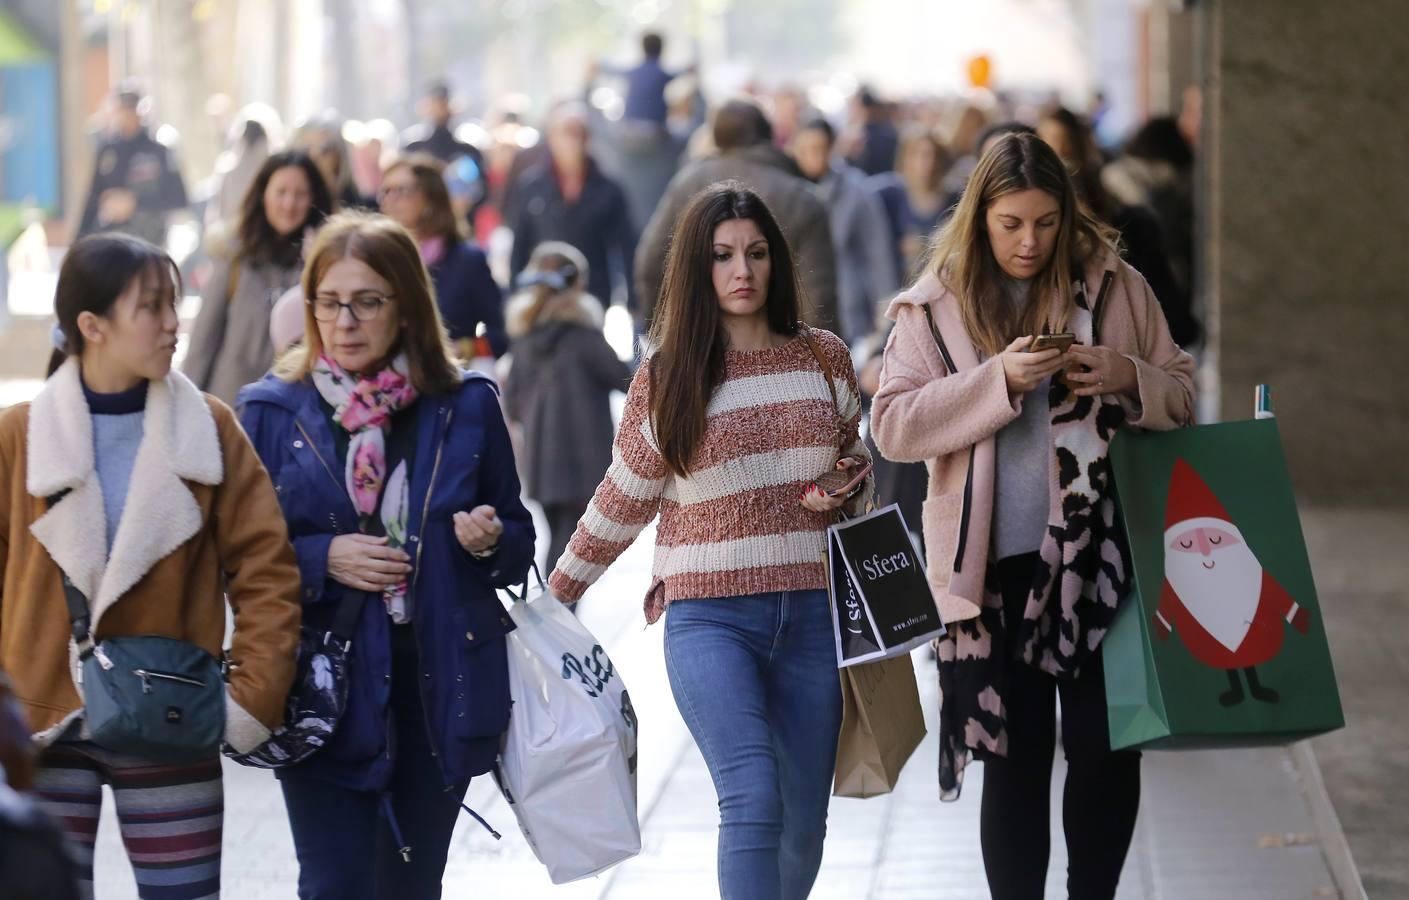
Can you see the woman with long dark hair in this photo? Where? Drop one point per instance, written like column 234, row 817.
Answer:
column 727, row 426
column 230, row 345
column 123, row 480
column 1021, row 543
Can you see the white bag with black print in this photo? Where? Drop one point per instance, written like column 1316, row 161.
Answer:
column 568, row 764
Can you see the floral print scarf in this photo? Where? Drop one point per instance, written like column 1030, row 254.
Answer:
column 363, row 407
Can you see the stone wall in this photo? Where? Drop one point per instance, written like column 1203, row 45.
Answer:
column 1306, row 232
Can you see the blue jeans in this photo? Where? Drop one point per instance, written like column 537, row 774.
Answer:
column 755, row 678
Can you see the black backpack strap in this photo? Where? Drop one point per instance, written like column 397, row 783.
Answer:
column 80, row 617
column 345, row 619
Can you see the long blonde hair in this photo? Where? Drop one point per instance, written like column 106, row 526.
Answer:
column 962, row 257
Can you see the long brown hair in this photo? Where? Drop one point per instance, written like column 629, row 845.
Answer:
column 388, row 250
column 428, row 172
column 688, row 329
column 258, row 241
column 962, row 257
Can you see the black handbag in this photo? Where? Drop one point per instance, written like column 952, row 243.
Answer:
column 149, row 696
column 318, row 696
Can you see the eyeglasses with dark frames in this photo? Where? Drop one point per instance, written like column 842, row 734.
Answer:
column 364, row 307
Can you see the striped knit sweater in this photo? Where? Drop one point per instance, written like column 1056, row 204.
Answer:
column 735, row 526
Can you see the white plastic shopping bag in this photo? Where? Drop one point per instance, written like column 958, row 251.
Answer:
column 568, row 764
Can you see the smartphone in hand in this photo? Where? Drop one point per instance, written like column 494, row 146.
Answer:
column 841, row 482
column 1061, row 342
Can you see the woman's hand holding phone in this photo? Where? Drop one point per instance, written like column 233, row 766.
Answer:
column 819, row 500
column 1024, row 370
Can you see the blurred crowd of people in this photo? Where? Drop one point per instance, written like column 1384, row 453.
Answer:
column 600, row 181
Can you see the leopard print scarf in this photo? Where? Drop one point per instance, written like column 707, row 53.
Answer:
column 1082, row 574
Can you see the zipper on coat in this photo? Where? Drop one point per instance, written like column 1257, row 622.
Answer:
column 415, row 581
column 148, row 674
column 967, row 502
column 314, row 447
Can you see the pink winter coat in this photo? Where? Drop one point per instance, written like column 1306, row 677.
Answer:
column 922, row 414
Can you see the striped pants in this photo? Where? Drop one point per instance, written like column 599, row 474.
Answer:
column 170, row 816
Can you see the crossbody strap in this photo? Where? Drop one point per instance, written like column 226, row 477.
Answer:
column 80, row 617
column 831, row 383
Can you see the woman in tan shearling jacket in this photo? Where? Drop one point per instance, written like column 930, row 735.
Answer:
column 1024, row 554
column 149, row 497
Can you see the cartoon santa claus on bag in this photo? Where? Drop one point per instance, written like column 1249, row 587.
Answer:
column 1229, row 612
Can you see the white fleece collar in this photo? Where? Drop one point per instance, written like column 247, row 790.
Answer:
column 179, row 444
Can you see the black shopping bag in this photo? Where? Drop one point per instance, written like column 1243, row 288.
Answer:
column 881, row 601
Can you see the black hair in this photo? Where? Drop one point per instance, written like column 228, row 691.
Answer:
column 95, row 273
column 652, row 44
column 1161, row 139
column 822, row 125
column 258, row 241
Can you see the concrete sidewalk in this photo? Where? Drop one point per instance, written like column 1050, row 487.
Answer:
column 1213, row 826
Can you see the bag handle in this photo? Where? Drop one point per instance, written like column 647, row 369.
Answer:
column 831, row 385
column 522, row 595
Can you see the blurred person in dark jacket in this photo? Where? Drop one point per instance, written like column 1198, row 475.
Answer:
column 743, row 137
column 867, row 272
column 1142, row 237
column 136, row 184
column 568, row 198
column 914, row 198
column 878, row 140
column 558, row 387
column 1156, row 169
column 34, row 860
column 415, row 195
column 646, row 82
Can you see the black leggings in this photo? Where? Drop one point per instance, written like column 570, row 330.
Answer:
column 1102, row 793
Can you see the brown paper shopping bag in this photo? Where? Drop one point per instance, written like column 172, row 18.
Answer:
column 881, row 725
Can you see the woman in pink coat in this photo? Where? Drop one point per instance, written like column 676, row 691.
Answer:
column 1024, row 554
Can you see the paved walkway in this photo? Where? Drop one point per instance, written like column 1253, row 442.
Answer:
column 1213, row 826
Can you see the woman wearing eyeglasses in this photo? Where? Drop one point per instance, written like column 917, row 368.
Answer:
column 397, row 481
column 413, row 192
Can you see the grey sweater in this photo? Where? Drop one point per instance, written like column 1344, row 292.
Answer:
column 1024, row 455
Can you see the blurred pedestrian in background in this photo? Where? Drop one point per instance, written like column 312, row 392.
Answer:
column 230, row 344
column 744, row 141
column 861, row 231
column 1155, row 168
column 397, row 481
column 321, row 138
column 913, row 198
column 250, row 144
column 568, row 198
column 1142, row 239
column 876, row 139
column 646, row 82
column 136, row 184
column 559, row 385
column 471, row 304
column 146, row 498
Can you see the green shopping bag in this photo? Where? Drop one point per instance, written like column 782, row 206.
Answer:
column 1221, row 642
